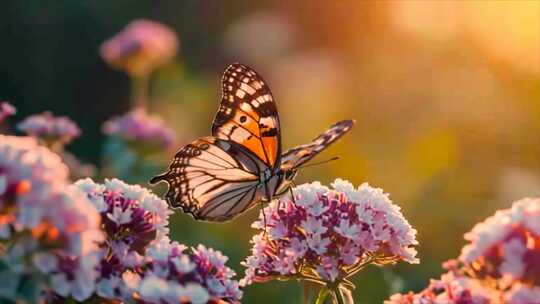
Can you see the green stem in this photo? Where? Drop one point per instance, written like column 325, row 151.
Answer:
column 323, row 294
column 339, row 296
column 139, row 91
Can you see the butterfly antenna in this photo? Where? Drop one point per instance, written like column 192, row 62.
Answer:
column 319, row 163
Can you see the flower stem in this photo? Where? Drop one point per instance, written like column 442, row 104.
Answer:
column 323, row 294
column 139, row 91
column 339, row 296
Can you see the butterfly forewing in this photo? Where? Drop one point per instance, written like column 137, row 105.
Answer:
column 295, row 157
column 248, row 115
column 212, row 179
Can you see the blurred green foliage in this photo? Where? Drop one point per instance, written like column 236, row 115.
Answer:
column 446, row 96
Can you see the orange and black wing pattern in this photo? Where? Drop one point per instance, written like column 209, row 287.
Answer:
column 295, row 157
column 248, row 115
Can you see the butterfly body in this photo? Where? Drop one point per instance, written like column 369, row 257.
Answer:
column 218, row 177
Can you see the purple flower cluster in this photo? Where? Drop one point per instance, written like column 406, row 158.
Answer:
column 139, row 262
column 6, row 110
column 501, row 264
column 50, row 129
column 140, row 47
column 327, row 235
column 140, row 126
column 132, row 218
column 173, row 274
column 46, row 221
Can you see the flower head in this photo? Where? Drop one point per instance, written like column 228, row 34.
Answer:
column 326, row 235
column 49, row 221
column 6, row 110
column 51, row 129
column 171, row 274
column 506, row 246
column 132, row 219
column 138, row 126
column 140, row 47
column 501, row 264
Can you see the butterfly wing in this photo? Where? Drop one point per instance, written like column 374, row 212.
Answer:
column 212, row 179
column 297, row 156
column 248, row 115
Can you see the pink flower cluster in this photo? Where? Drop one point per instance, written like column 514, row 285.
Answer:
column 173, row 274
column 138, row 125
column 140, row 47
column 46, row 221
column 139, row 262
column 49, row 128
column 328, row 234
column 506, row 246
column 132, row 218
column 452, row 287
column 501, row 264
column 6, row 110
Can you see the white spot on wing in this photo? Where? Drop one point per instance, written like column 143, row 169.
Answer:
column 246, row 107
column 269, row 122
column 240, row 93
column 239, row 135
column 247, row 88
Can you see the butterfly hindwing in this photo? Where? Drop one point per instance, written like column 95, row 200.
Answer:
column 212, row 179
column 297, row 156
column 248, row 115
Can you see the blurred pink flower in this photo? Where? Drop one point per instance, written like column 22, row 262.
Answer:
column 522, row 293
column 140, row 47
column 6, row 110
column 328, row 235
column 139, row 127
column 451, row 288
column 46, row 220
column 506, row 246
column 501, row 264
column 53, row 130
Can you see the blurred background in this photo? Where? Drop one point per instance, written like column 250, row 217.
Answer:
column 446, row 95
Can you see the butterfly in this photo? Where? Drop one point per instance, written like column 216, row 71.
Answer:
column 218, row 177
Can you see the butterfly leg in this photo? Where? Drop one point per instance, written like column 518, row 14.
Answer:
column 292, row 193
column 264, row 217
